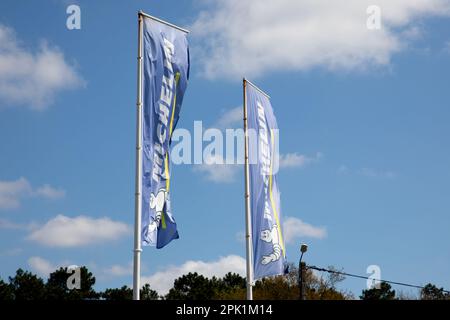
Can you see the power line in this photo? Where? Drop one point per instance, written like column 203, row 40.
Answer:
column 365, row 277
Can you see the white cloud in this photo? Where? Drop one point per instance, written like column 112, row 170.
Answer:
column 41, row 266
column 63, row 231
column 11, row 192
column 162, row 281
column 343, row 169
column 373, row 173
column 214, row 169
column 231, row 118
column 47, row 191
column 294, row 228
column 30, row 78
column 6, row 224
column 236, row 38
column 292, row 160
column 119, row 270
column 413, row 33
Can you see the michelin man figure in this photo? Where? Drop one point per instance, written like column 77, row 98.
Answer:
column 271, row 236
column 157, row 203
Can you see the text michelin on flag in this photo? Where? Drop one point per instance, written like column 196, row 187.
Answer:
column 165, row 77
column 269, row 255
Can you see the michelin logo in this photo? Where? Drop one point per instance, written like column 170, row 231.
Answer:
column 157, row 203
column 271, row 236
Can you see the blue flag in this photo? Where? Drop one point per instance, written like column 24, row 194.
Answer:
column 269, row 256
column 165, row 77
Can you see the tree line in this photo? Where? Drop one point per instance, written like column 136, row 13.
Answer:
column 25, row 285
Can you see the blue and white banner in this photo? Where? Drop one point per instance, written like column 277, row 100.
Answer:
column 165, row 77
column 268, row 247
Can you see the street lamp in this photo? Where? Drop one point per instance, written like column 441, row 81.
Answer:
column 303, row 249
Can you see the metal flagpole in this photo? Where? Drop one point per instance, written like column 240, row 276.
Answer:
column 248, row 222
column 138, row 186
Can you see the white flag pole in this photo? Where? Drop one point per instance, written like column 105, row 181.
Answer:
column 138, row 185
column 248, row 221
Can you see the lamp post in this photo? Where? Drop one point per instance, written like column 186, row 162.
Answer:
column 303, row 249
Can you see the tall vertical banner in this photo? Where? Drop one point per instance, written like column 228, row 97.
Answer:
column 269, row 254
column 165, row 77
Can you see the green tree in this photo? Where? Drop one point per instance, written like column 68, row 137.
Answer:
column 286, row 287
column 124, row 293
column 57, row 289
column 324, row 288
column 275, row 288
column 191, row 287
column 230, row 287
column 431, row 292
column 402, row 295
column 233, row 281
column 148, row 294
column 6, row 291
column 383, row 293
column 27, row 286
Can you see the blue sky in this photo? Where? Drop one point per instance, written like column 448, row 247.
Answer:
column 363, row 117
